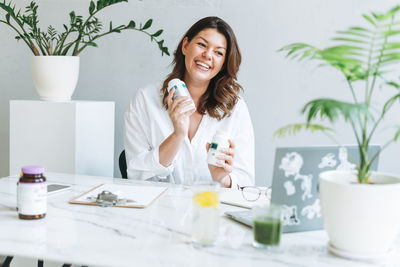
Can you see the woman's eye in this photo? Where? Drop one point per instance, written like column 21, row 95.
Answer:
column 219, row 53
column 201, row 44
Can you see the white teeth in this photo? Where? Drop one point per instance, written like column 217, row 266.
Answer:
column 202, row 64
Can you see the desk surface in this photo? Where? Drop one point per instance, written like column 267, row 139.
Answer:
column 156, row 236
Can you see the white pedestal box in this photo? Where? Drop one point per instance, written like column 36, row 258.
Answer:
column 69, row 137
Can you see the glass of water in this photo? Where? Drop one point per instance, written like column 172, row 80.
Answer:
column 205, row 221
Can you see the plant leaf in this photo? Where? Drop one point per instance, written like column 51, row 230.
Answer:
column 301, row 51
column 391, row 33
column 394, row 84
column 369, row 19
column 293, row 129
column 131, row 24
column 147, row 24
column 389, row 103
column 91, row 44
column 105, row 3
column 164, row 50
column 333, row 109
column 157, row 33
column 397, row 134
column 352, row 40
column 92, row 7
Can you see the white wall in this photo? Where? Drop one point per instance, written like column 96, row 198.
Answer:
column 275, row 88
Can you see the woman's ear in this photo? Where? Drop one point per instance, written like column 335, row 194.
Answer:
column 185, row 44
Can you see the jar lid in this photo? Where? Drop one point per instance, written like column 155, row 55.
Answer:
column 32, row 170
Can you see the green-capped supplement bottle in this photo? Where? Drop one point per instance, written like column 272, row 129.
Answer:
column 32, row 193
column 219, row 141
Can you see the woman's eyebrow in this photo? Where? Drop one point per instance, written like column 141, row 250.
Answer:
column 221, row 47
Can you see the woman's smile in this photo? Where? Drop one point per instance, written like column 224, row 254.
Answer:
column 202, row 65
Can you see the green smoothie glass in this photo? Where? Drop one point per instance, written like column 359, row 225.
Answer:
column 267, row 226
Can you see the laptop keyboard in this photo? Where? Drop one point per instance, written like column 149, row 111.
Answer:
column 244, row 217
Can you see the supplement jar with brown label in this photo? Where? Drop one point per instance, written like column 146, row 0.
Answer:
column 32, row 193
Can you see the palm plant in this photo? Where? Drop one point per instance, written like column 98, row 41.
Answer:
column 363, row 55
column 80, row 34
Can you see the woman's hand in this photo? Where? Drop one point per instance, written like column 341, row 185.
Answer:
column 221, row 172
column 180, row 120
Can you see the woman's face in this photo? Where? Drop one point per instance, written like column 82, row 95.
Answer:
column 204, row 55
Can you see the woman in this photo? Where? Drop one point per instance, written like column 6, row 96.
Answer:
column 163, row 143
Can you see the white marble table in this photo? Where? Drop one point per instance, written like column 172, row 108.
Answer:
column 156, row 236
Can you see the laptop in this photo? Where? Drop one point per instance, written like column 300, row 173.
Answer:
column 295, row 183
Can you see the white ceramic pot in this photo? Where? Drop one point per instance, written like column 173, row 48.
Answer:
column 55, row 77
column 361, row 219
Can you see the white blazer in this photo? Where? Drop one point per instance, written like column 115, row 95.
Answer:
column 147, row 125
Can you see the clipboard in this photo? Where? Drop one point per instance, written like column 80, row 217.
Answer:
column 143, row 196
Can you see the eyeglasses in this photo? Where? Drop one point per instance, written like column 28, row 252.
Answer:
column 252, row 193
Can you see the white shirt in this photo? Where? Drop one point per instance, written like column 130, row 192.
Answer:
column 147, row 125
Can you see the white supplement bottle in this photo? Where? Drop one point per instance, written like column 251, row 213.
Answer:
column 219, row 141
column 181, row 90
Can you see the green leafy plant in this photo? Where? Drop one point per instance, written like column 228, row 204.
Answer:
column 80, row 34
column 364, row 55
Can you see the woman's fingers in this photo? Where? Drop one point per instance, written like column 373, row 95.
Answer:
column 182, row 108
column 226, row 158
column 208, row 146
column 177, row 103
column 231, row 150
column 231, row 144
column 169, row 98
column 228, row 151
column 189, row 112
column 227, row 167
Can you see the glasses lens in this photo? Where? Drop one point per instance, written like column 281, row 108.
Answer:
column 268, row 193
column 251, row 193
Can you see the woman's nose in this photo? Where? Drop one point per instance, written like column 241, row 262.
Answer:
column 207, row 53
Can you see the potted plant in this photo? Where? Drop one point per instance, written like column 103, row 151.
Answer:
column 55, row 74
column 360, row 209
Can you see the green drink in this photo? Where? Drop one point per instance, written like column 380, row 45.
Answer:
column 267, row 226
column 267, row 231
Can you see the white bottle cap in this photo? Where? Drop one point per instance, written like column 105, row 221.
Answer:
column 222, row 133
column 174, row 82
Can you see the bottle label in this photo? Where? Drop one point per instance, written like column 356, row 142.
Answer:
column 32, row 198
column 214, row 146
column 214, row 151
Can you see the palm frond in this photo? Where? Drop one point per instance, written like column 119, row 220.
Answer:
column 333, row 109
column 390, row 103
column 393, row 84
column 364, row 35
column 293, row 129
column 301, row 51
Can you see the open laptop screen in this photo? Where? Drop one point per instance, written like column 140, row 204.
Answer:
column 295, row 181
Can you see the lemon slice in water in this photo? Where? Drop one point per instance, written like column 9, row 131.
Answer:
column 207, row 199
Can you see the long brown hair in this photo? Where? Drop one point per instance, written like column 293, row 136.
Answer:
column 223, row 90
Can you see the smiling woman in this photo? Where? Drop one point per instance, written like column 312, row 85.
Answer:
column 166, row 141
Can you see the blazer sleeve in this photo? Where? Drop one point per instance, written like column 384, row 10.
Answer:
column 243, row 137
column 141, row 157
